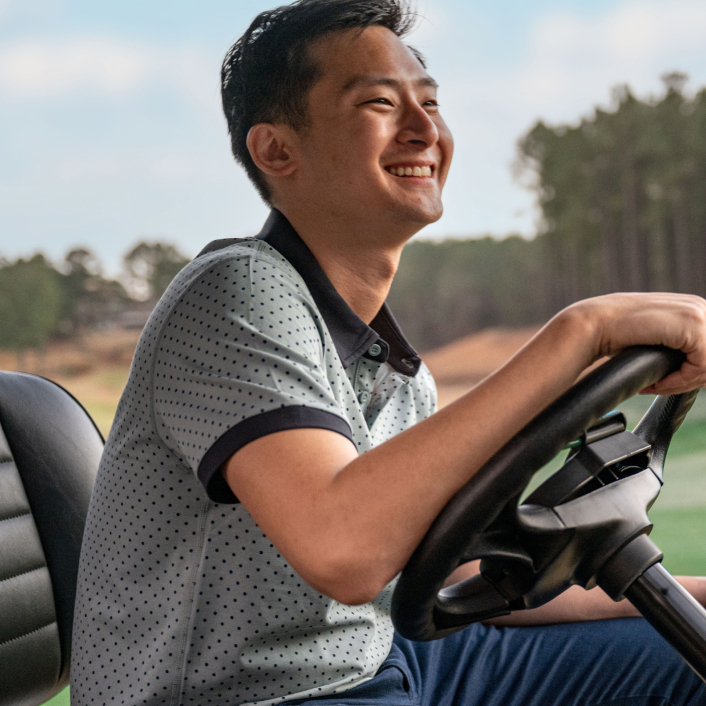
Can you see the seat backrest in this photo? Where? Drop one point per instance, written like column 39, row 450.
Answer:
column 49, row 454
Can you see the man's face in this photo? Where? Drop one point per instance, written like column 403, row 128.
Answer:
column 373, row 120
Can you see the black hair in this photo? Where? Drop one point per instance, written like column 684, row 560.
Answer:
column 267, row 73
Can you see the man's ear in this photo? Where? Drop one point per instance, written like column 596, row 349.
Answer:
column 270, row 147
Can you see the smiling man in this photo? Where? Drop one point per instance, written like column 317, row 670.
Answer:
column 276, row 459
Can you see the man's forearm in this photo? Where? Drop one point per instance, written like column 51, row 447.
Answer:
column 576, row 605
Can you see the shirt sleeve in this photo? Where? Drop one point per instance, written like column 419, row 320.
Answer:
column 240, row 356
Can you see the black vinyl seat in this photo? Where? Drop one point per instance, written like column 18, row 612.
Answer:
column 49, row 454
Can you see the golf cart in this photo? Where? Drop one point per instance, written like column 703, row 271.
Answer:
column 585, row 525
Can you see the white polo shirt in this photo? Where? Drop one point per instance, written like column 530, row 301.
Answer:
column 181, row 598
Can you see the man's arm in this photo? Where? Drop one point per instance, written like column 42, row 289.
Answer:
column 575, row 605
column 349, row 523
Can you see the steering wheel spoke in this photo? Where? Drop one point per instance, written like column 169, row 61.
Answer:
column 659, row 423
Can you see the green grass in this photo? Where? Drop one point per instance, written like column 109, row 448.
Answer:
column 681, row 535
column 115, row 377
column 689, row 439
column 102, row 413
column 679, row 514
column 61, row 699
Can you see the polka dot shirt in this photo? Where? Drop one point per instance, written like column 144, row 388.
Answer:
column 181, row 598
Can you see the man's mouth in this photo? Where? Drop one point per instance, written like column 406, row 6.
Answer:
column 408, row 171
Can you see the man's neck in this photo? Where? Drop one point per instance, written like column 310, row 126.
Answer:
column 359, row 265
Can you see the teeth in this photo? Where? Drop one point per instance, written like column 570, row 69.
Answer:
column 411, row 171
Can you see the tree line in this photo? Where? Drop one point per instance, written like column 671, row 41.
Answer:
column 40, row 301
column 622, row 196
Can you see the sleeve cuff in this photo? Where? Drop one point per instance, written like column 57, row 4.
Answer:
column 280, row 419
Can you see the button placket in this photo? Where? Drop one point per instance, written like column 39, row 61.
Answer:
column 387, row 383
column 362, row 379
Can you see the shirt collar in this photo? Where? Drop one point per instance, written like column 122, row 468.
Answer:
column 383, row 340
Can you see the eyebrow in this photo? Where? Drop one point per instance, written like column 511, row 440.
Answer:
column 365, row 81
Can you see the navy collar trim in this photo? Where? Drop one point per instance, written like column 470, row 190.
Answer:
column 383, row 340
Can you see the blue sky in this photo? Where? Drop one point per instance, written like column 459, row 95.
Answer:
column 110, row 124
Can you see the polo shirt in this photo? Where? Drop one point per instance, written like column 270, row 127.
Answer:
column 182, row 599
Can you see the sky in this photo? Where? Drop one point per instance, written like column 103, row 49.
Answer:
column 111, row 129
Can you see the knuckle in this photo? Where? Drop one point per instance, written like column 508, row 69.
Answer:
column 696, row 312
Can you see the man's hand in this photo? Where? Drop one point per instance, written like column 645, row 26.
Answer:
column 349, row 523
column 673, row 320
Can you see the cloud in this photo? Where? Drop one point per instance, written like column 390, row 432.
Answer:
column 573, row 56
column 35, row 69
column 639, row 30
column 158, row 164
column 89, row 167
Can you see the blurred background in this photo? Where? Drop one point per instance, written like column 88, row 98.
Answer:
column 580, row 169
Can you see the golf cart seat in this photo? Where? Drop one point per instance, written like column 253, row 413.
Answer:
column 49, row 454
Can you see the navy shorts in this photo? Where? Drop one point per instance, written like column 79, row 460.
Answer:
column 619, row 662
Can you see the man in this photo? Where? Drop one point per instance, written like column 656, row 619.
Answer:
column 274, row 459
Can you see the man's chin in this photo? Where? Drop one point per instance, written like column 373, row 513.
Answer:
column 422, row 214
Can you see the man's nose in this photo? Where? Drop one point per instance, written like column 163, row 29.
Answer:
column 418, row 128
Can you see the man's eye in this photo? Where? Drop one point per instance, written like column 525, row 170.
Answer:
column 381, row 101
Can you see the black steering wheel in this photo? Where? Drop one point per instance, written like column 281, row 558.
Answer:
column 586, row 525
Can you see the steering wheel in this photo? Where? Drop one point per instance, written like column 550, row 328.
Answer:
column 586, row 525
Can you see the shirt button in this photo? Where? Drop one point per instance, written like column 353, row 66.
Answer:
column 363, row 397
column 374, row 350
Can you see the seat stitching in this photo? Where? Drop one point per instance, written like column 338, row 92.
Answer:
column 22, row 573
column 14, row 517
column 27, row 634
